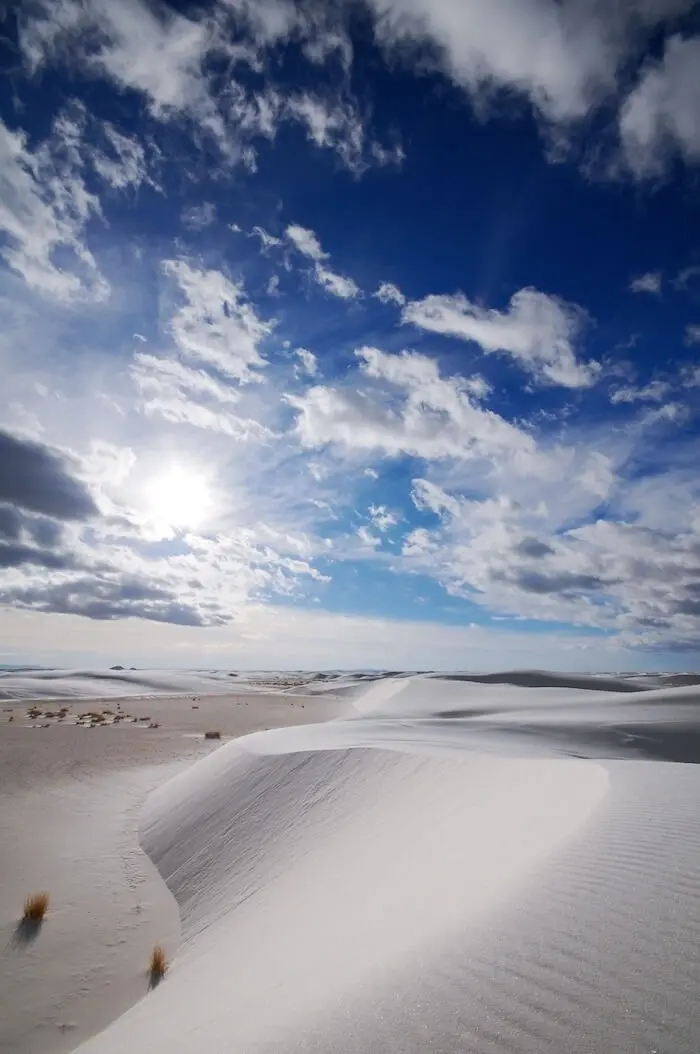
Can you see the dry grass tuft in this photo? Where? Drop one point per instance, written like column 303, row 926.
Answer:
column 158, row 965
column 35, row 907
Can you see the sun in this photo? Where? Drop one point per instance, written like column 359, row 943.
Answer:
column 179, row 499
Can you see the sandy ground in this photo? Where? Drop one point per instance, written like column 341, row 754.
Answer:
column 71, row 791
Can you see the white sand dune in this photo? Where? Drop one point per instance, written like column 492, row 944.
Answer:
column 25, row 684
column 71, row 793
column 445, row 870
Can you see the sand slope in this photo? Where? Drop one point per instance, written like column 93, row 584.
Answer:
column 442, row 871
column 71, row 794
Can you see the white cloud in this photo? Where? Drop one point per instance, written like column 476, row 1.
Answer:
column 183, row 395
column 273, row 285
column 331, row 125
column 336, row 124
column 267, row 241
column 156, row 52
column 336, row 284
column 537, row 330
column 199, row 217
column 125, row 165
column 692, row 333
column 305, row 242
column 654, row 392
column 216, row 326
column 388, row 293
column 661, row 116
column 412, row 410
column 636, row 579
column 691, row 377
column 182, row 65
column 157, row 373
column 382, row 519
column 308, row 363
column 564, row 56
column 647, row 283
column 45, row 206
column 367, row 538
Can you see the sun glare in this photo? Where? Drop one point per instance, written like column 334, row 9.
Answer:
column 179, row 499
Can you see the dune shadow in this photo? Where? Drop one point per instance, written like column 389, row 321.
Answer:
column 26, row 932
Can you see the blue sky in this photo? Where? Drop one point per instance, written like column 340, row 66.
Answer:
column 350, row 334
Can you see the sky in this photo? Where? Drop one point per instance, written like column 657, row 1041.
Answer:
column 350, row 334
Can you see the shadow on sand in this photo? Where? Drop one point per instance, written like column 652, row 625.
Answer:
column 155, row 976
column 26, row 932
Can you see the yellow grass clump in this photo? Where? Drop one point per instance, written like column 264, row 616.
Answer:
column 158, row 964
column 35, row 907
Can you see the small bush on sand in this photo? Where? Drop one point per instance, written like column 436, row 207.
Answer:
column 157, row 965
column 212, row 735
column 35, row 907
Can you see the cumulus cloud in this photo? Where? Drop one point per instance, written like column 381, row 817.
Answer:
column 45, row 206
column 305, row 242
column 388, row 293
column 411, row 410
column 537, row 330
column 382, row 518
column 335, row 125
column 179, row 393
column 36, row 478
column 336, row 284
column 216, row 325
column 369, row 540
column 692, row 333
column 17, row 555
column 647, row 283
column 565, row 57
column 104, row 598
column 659, row 118
column 154, row 51
column 608, row 574
column 121, row 161
column 308, row 363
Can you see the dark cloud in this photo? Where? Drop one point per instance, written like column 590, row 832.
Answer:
column 558, row 582
column 534, row 548
column 106, row 599
column 10, row 523
column 34, row 477
column 16, row 554
column 44, row 532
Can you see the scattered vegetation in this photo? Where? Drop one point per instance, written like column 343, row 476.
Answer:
column 157, row 966
column 212, row 735
column 35, row 907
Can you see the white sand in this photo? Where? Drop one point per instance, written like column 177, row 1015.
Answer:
column 444, row 869
column 70, row 800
